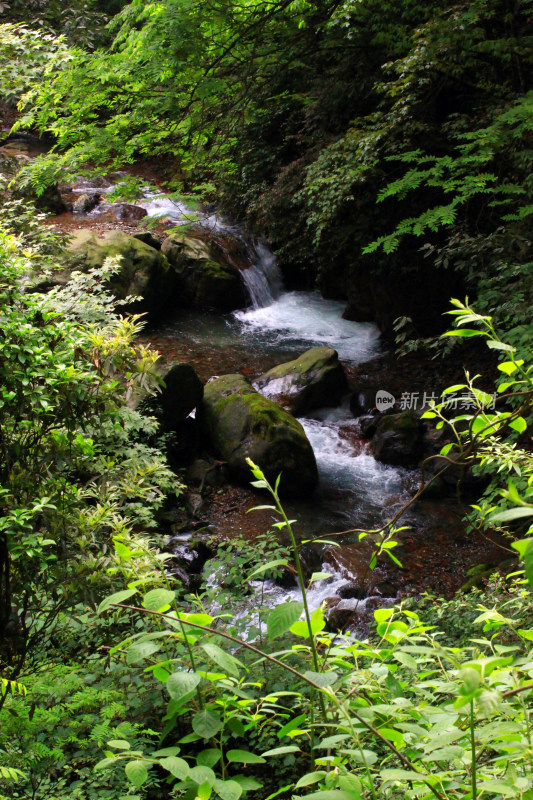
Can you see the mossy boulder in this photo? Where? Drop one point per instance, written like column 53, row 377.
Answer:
column 314, row 380
column 144, row 271
column 399, row 439
column 242, row 424
column 205, row 281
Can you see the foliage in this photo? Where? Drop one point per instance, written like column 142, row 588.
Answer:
column 74, row 469
column 27, row 56
column 53, row 736
column 477, row 436
column 407, row 712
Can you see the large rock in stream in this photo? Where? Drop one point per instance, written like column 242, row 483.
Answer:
column 314, row 380
column 242, row 424
column 398, row 439
column 205, row 282
column 144, row 271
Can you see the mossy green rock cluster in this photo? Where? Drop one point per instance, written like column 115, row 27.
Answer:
column 243, row 424
column 144, row 271
column 314, row 380
column 205, row 282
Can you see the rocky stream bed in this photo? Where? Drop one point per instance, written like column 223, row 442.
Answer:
column 282, row 377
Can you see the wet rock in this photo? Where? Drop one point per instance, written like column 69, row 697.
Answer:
column 181, row 574
column 148, row 238
column 127, row 212
column 398, row 439
column 287, row 579
column 384, row 589
column 86, row 202
column 191, row 554
column 242, row 424
column 144, row 271
column 205, row 283
column 310, row 559
column 339, row 617
column 368, row 425
column 181, row 394
column 363, row 402
column 196, row 504
column 352, row 590
column 314, row 380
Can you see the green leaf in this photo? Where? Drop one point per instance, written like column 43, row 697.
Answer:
column 291, row 725
column 224, row 660
column 208, row 758
column 519, row 424
column 206, row 724
column 323, row 679
column 525, row 548
column 119, row 744
column 318, row 623
column 247, row 784
column 508, row 367
column 282, row 617
column 281, row 751
column 228, row 790
column 140, row 650
column 117, row 597
column 310, row 778
column 280, row 562
column 181, row 685
column 495, row 345
column 464, row 333
column 202, row 775
column 243, row 757
column 320, row 576
column 136, row 772
column 105, row 763
column 400, row 775
column 176, row 766
column 158, row 600
column 204, row 791
column 510, row 514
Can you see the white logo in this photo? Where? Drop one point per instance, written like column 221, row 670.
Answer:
column 384, row 400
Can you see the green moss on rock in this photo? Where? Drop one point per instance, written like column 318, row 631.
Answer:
column 315, row 379
column 242, row 424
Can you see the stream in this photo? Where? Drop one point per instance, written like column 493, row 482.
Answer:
column 355, row 491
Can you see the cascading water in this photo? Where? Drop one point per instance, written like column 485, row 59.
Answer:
column 355, row 490
column 263, row 278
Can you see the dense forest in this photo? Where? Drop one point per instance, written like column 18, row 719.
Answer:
column 360, row 169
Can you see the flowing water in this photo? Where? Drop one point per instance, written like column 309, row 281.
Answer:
column 355, row 491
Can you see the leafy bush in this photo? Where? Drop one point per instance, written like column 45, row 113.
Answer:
column 74, row 470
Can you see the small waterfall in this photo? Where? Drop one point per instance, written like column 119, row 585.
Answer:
column 263, row 278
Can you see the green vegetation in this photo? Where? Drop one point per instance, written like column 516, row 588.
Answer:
column 385, row 150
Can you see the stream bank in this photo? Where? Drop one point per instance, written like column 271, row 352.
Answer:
column 355, row 490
